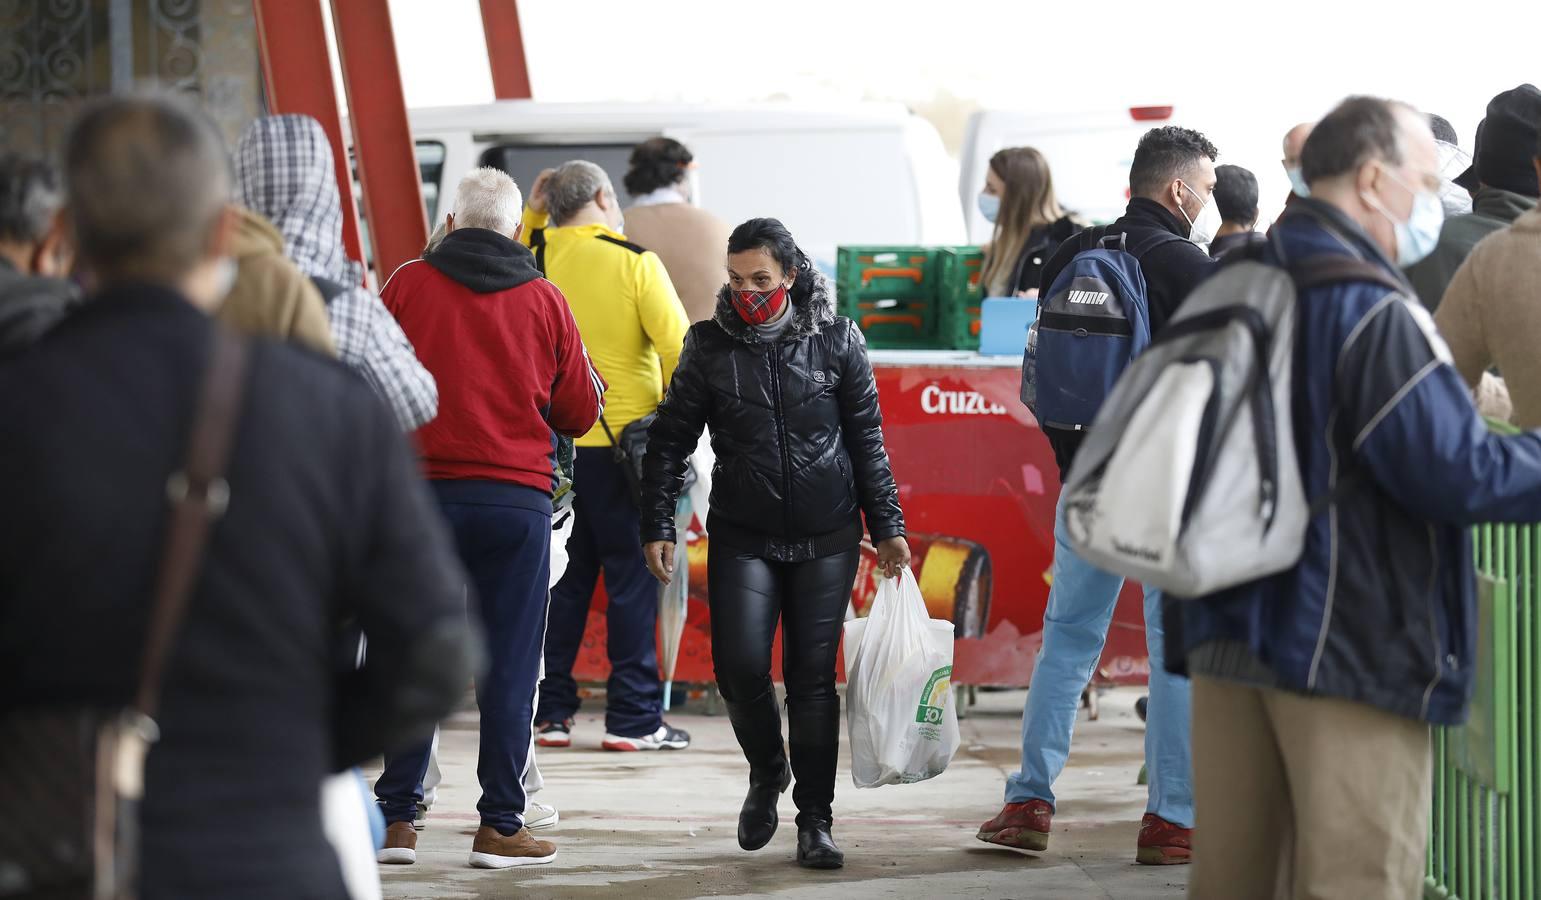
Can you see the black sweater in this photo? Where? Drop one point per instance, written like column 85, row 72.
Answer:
column 328, row 520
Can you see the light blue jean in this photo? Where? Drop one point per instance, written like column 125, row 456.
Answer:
column 1075, row 626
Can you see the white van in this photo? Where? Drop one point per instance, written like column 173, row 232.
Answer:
column 861, row 174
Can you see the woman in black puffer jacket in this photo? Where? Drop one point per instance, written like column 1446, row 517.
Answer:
column 788, row 392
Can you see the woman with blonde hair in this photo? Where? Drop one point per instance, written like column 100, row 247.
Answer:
column 1018, row 198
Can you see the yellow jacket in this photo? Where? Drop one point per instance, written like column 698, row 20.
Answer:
column 631, row 319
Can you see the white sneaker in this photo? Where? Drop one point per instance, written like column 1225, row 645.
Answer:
column 665, row 738
column 540, row 816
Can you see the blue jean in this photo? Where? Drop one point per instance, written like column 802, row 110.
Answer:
column 504, row 541
column 606, row 537
column 1075, row 626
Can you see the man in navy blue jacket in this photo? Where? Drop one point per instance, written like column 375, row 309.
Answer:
column 1314, row 689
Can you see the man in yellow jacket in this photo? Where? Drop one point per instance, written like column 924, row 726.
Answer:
column 634, row 326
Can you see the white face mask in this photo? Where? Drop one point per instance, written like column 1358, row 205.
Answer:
column 1418, row 236
column 1201, row 230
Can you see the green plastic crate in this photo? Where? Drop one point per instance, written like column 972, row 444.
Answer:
column 900, row 272
column 897, row 324
column 959, row 294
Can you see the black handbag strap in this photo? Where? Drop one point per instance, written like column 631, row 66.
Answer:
column 608, row 433
column 199, row 494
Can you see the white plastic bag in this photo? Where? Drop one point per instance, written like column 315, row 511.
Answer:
column 898, row 671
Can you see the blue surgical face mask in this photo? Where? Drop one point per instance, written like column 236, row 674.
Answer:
column 1298, row 182
column 1419, row 235
column 989, row 206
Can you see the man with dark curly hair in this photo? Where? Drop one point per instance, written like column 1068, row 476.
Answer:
column 1171, row 214
column 664, row 218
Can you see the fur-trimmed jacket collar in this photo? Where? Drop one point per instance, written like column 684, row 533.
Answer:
column 813, row 309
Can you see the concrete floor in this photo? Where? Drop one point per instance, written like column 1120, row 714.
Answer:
column 663, row 825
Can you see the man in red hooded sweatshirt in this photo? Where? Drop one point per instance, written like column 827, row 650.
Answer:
column 513, row 374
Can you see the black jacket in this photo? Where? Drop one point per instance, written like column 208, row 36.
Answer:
column 1171, row 272
column 796, row 429
column 328, row 521
column 1040, row 248
column 1220, row 246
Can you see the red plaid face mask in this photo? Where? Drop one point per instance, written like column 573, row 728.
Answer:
column 759, row 307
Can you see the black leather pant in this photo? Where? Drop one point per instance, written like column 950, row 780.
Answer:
column 748, row 595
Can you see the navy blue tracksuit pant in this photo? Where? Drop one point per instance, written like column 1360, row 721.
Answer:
column 503, row 534
column 606, row 536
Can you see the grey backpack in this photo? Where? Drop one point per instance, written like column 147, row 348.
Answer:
column 1188, row 479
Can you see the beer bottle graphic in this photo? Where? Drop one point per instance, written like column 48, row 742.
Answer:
column 954, row 574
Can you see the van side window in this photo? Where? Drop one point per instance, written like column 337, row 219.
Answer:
column 524, row 161
column 430, row 167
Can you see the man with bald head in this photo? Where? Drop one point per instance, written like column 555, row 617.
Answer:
column 1294, row 143
column 1314, row 689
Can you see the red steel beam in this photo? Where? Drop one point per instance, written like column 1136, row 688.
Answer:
column 377, row 112
column 505, row 49
column 297, row 72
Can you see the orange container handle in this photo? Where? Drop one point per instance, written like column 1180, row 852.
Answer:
column 914, row 321
column 916, row 275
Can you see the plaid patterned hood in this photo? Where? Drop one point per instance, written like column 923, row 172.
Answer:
column 813, row 309
column 284, row 172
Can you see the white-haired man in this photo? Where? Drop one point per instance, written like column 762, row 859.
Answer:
column 512, row 373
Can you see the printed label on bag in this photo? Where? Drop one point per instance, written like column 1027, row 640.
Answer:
column 933, row 701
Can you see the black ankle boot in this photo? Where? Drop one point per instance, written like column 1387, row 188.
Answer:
column 758, row 820
column 816, row 847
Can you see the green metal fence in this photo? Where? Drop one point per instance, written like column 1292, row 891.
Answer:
column 1485, row 828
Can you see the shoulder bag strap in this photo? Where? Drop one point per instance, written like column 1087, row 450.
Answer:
column 608, row 433
column 198, row 493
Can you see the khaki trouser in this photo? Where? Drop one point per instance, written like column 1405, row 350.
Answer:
column 1305, row 797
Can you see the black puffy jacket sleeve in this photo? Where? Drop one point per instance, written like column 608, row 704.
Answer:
column 861, row 422
column 671, row 439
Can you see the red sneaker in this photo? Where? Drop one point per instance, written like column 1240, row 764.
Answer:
column 1163, row 844
column 1024, row 826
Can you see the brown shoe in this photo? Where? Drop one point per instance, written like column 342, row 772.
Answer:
column 492, row 850
column 400, row 844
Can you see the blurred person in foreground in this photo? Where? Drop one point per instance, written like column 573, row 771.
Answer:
column 35, row 252
column 513, row 375
column 1236, row 197
column 795, row 476
column 1018, row 199
column 284, row 173
column 1491, row 315
column 1314, row 689
column 1170, row 219
column 1507, row 188
column 327, row 520
column 634, row 326
column 663, row 218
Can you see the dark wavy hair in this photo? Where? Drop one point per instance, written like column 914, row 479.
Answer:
column 656, row 163
column 774, row 238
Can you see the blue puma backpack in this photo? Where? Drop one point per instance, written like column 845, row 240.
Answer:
column 1092, row 322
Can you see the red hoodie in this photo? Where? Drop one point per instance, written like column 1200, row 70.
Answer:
column 501, row 342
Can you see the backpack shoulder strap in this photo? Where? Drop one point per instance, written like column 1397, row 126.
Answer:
column 1139, row 249
column 1335, row 269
